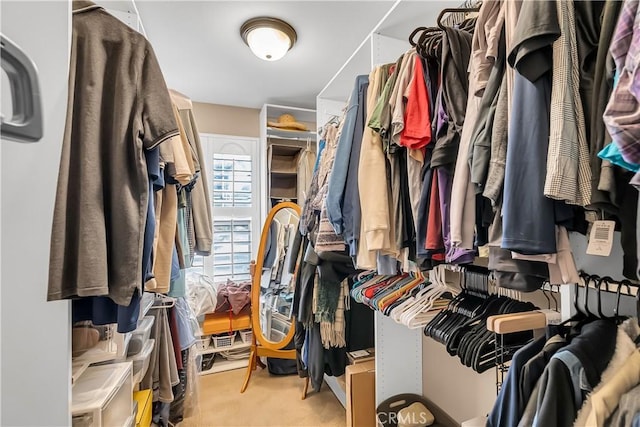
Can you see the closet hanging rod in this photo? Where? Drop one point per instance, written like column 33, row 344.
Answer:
column 454, row 10
column 289, row 138
column 616, row 284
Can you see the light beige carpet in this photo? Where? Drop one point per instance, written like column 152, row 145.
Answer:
column 268, row 401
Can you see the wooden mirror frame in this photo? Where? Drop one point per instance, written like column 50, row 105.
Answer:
column 260, row 345
column 256, row 281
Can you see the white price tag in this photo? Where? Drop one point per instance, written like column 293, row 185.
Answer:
column 601, row 238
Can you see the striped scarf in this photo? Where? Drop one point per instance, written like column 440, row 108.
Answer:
column 330, row 303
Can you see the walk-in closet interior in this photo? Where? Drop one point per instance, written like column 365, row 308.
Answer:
column 394, row 213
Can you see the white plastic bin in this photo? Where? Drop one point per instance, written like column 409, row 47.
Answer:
column 140, row 336
column 224, row 340
column 203, row 342
column 246, row 336
column 144, row 327
column 102, row 396
column 141, row 361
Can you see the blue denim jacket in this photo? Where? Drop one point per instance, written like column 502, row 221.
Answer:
column 338, row 178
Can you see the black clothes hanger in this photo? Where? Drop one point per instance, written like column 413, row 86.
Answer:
column 580, row 316
column 544, row 293
column 601, row 281
column 414, row 33
column 553, row 295
column 430, row 43
column 477, row 348
column 462, row 326
column 468, row 25
column 585, row 301
column 617, row 317
column 439, row 327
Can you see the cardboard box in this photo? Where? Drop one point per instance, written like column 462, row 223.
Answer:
column 361, row 394
column 360, row 356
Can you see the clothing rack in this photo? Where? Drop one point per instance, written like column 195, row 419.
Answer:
column 538, row 320
column 464, row 327
column 606, row 288
column 410, row 299
column 382, row 56
column 514, row 323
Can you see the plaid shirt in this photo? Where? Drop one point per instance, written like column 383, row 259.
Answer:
column 568, row 165
column 622, row 115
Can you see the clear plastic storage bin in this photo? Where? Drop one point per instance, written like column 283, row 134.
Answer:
column 102, row 396
column 140, row 336
column 114, row 347
column 144, row 327
column 141, row 361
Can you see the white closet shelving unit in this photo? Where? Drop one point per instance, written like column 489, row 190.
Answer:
column 399, row 358
column 126, row 11
column 283, row 144
column 222, row 365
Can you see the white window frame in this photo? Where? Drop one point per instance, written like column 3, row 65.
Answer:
column 243, row 146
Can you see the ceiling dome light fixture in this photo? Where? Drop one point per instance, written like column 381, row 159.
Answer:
column 269, row 38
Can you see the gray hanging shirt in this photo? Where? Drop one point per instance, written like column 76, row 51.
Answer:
column 118, row 106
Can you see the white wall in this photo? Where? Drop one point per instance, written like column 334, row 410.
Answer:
column 34, row 334
column 459, row 391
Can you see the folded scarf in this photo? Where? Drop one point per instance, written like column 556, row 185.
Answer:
column 331, row 303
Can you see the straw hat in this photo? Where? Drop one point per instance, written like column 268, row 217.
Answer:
column 287, row 121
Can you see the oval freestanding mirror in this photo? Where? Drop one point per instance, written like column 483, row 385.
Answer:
column 272, row 289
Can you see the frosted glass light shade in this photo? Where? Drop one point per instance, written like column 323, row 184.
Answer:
column 268, row 38
column 268, row 43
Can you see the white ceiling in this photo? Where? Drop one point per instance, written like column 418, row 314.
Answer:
column 203, row 56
